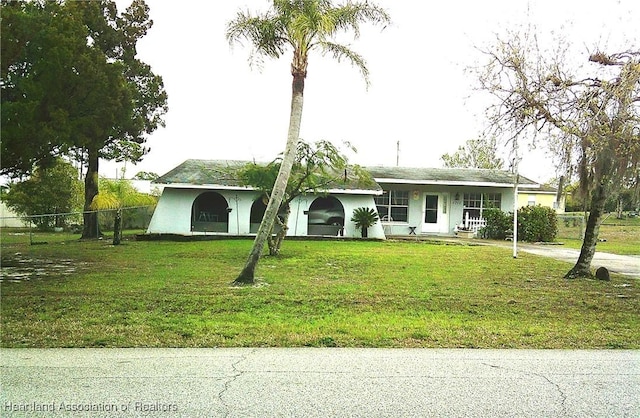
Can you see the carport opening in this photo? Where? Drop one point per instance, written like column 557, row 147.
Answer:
column 325, row 217
column 210, row 213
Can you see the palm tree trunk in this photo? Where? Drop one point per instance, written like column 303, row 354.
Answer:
column 117, row 227
column 588, row 250
column 90, row 218
column 247, row 274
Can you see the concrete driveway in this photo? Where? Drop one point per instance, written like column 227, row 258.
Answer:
column 628, row 265
column 311, row 382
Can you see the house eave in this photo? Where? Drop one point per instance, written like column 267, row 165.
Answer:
column 249, row 188
column 355, row 191
column 449, row 183
column 204, row 186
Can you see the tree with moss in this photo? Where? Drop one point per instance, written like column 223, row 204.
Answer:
column 589, row 117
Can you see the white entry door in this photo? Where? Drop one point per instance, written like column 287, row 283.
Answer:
column 435, row 213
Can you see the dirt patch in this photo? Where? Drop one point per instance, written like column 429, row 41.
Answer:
column 18, row 267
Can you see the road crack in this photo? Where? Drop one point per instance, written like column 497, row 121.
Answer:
column 237, row 373
column 563, row 396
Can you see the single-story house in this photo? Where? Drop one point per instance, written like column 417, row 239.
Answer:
column 203, row 197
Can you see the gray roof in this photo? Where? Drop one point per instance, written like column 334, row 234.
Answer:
column 204, row 172
column 224, row 173
column 448, row 176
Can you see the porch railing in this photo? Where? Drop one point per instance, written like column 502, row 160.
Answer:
column 473, row 224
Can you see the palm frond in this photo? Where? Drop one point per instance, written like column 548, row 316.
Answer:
column 265, row 33
column 341, row 52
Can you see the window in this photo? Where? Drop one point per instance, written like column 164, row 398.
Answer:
column 393, row 205
column 474, row 203
column 531, row 200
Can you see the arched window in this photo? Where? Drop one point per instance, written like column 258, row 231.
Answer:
column 210, row 213
column 257, row 213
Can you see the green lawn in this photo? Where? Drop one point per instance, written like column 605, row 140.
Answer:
column 319, row 293
column 617, row 236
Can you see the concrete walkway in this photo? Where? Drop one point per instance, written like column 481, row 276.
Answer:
column 319, row 383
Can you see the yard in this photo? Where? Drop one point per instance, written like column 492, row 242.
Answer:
column 319, row 293
column 618, row 236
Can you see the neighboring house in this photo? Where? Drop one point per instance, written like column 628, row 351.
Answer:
column 203, row 197
column 543, row 196
column 9, row 219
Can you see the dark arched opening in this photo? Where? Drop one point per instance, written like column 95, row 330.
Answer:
column 325, row 217
column 257, row 213
column 210, row 213
column 258, row 208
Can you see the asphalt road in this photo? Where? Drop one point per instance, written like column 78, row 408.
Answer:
column 311, row 382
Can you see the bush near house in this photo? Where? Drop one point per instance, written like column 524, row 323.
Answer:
column 535, row 224
column 499, row 223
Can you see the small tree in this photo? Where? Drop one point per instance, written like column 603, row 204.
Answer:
column 116, row 195
column 317, row 166
column 364, row 218
column 145, row 175
column 48, row 191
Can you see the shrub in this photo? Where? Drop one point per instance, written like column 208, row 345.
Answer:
column 537, row 224
column 364, row 218
column 498, row 224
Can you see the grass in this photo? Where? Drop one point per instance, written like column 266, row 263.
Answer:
column 618, row 236
column 319, row 293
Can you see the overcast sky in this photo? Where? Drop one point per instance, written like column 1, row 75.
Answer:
column 220, row 108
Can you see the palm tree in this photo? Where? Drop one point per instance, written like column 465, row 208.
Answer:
column 302, row 26
column 116, row 195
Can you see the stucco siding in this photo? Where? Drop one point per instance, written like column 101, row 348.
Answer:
column 173, row 214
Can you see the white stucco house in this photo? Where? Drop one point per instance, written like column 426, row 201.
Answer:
column 203, row 197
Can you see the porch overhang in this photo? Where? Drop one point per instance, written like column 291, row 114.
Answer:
column 449, row 183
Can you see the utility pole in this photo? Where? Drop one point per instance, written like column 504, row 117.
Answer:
column 398, row 153
column 515, row 198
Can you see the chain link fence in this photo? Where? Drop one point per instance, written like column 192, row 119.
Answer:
column 571, row 226
column 39, row 228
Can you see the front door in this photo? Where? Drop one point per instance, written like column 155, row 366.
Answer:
column 435, row 217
